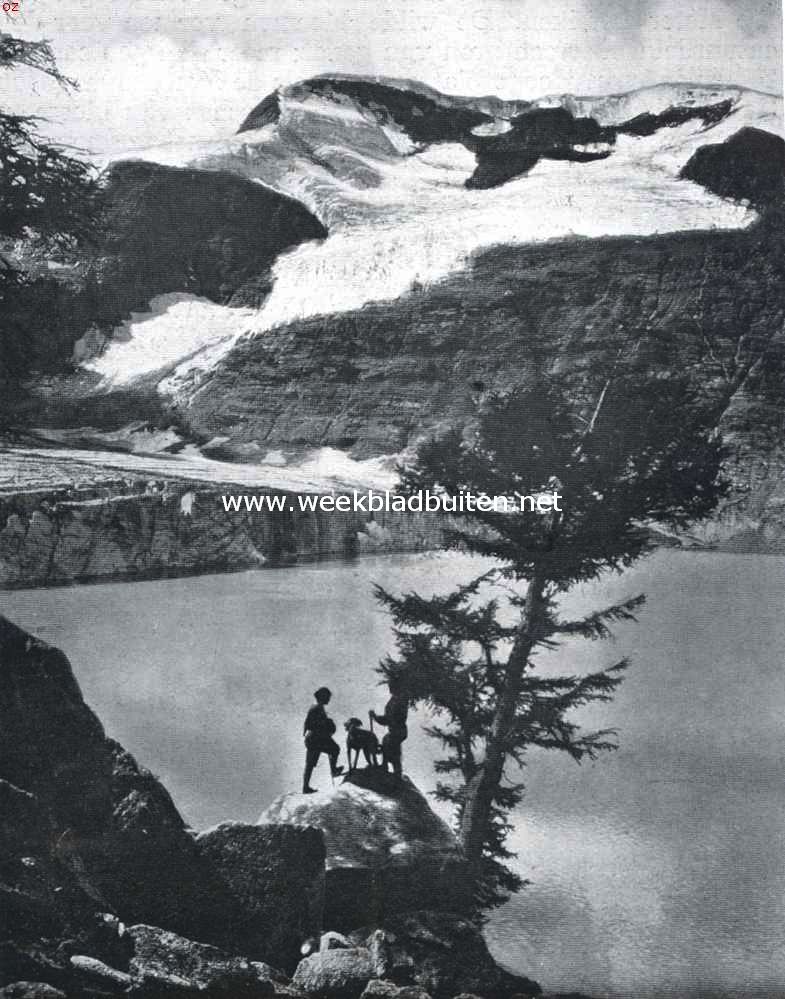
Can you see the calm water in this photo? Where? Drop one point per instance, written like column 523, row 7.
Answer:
column 660, row 868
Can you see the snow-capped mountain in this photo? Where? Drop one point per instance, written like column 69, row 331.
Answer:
column 295, row 305
column 410, row 183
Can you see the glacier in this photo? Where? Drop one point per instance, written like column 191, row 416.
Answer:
column 399, row 216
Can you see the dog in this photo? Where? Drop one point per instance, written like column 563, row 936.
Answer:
column 359, row 739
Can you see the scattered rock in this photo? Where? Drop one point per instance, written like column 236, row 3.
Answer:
column 334, row 941
column 266, row 973
column 382, row 989
column 165, row 960
column 94, row 968
column 443, row 953
column 336, row 974
column 21, row 962
column 90, row 839
column 31, row 990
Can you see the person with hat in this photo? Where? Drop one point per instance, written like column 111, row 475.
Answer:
column 318, row 730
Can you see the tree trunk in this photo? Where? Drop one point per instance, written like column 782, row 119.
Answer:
column 480, row 791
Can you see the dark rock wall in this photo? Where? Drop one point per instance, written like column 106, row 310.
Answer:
column 109, row 822
column 749, row 165
column 158, row 230
column 204, row 232
column 376, row 380
column 549, row 133
column 424, row 118
column 144, row 530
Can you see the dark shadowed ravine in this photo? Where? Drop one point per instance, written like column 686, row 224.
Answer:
column 658, row 868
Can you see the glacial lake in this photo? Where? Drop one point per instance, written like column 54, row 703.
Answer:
column 657, row 870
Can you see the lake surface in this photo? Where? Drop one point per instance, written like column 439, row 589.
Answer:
column 657, row 869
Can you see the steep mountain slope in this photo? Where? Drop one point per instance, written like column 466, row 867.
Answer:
column 157, row 230
column 175, row 229
column 642, row 222
column 392, row 171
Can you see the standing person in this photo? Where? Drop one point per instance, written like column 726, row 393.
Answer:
column 394, row 718
column 318, row 730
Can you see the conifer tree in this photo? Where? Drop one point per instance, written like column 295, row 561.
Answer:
column 631, row 452
column 47, row 202
column 43, row 187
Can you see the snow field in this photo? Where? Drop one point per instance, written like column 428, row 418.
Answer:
column 421, row 224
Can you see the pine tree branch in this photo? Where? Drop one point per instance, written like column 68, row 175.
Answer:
column 595, row 625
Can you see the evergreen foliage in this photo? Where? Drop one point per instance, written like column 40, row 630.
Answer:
column 628, row 451
column 47, row 202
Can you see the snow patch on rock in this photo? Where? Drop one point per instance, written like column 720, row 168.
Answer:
column 177, row 326
column 497, row 127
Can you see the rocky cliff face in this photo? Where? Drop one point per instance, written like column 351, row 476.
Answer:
column 377, row 379
column 659, row 245
column 159, row 230
column 142, row 529
column 204, row 232
column 97, row 818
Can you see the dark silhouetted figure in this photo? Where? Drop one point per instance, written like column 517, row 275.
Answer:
column 319, row 730
column 360, row 740
column 394, row 718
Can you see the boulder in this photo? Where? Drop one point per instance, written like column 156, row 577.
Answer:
column 386, row 849
column 25, row 963
column 334, row 941
column 266, row 973
column 275, row 874
column 31, row 990
column 336, row 974
column 443, row 953
column 382, row 989
column 164, row 960
column 103, row 973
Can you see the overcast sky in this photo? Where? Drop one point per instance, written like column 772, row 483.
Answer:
column 155, row 71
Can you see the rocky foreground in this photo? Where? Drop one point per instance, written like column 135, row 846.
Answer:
column 106, row 892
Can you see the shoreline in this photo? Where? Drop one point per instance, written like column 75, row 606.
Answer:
column 129, row 529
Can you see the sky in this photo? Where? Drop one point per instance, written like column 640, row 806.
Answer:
column 155, row 71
